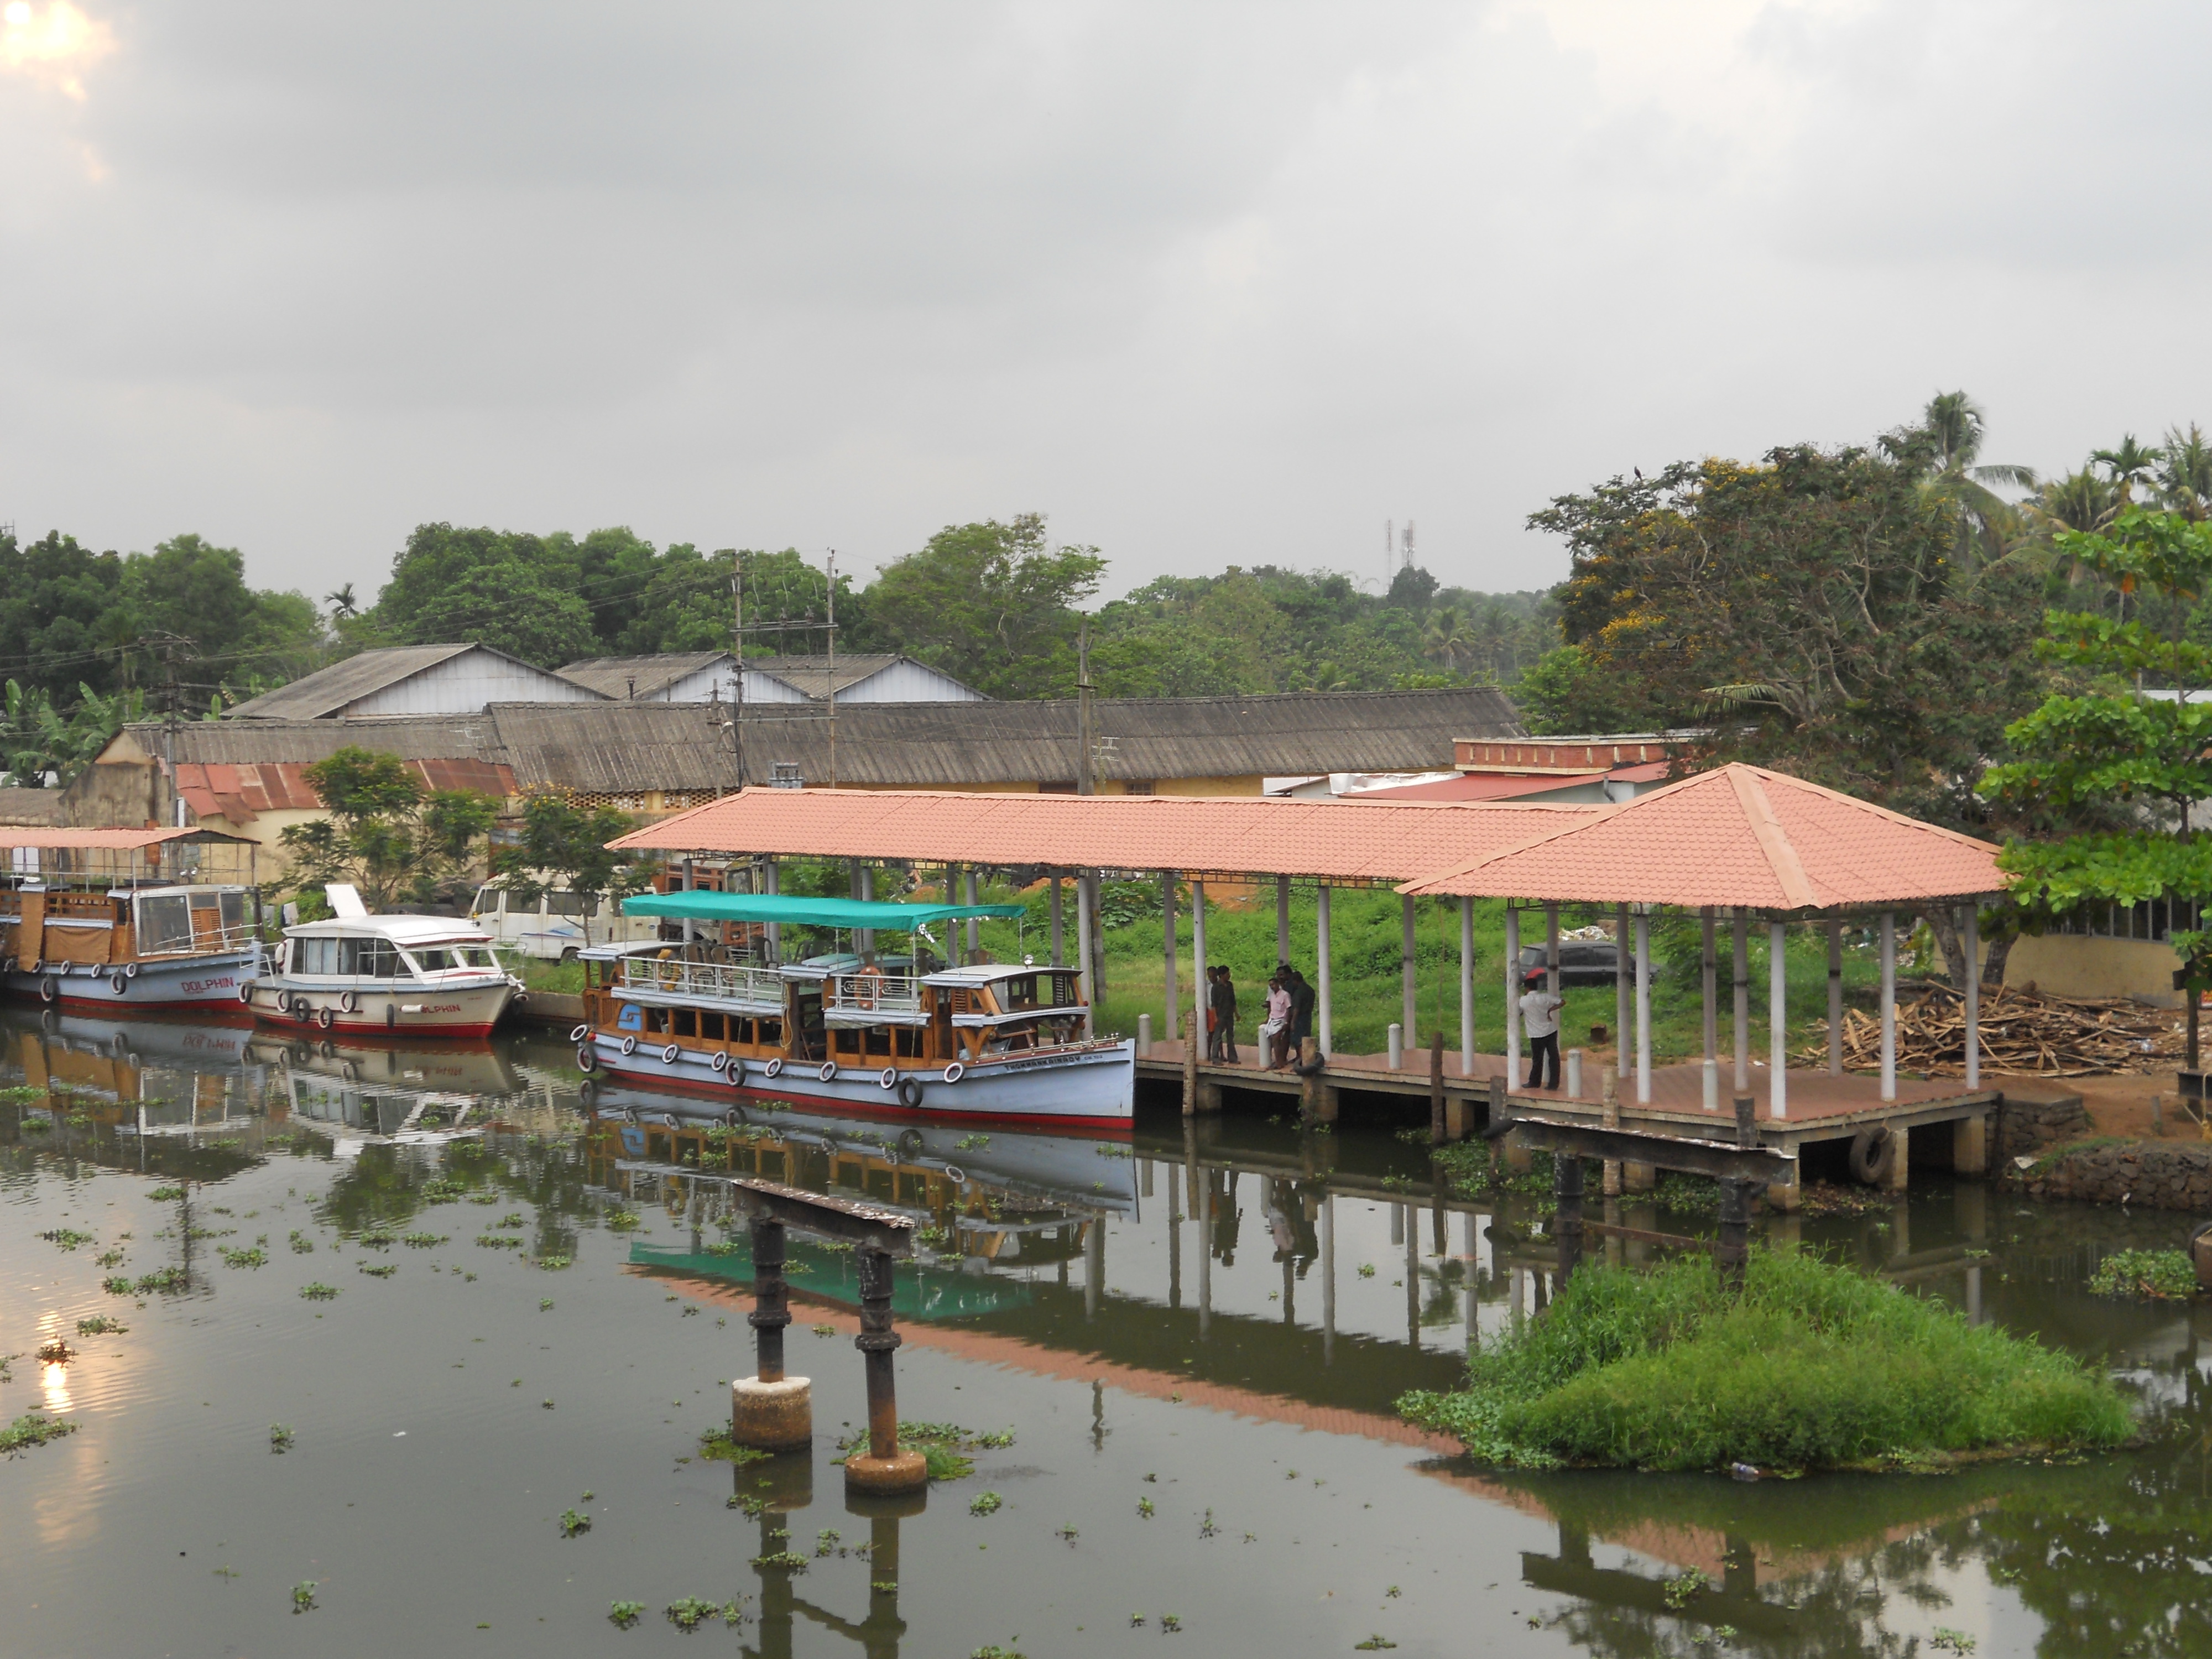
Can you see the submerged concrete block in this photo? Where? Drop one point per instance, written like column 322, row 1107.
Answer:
column 902, row 1471
column 772, row 1416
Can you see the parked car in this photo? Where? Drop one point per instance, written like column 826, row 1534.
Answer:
column 1582, row 961
column 555, row 927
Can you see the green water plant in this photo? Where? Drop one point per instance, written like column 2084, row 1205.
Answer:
column 101, row 1324
column 420, row 1241
column 33, row 1429
column 115, row 1284
column 573, row 1522
column 319, row 1292
column 303, row 1595
column 68, row 1237
column 164, row 1195
column 2146, row 1275
column 553, row 1264
column 623, row 1614
column 499, row 1240
column 985, row 1502
column 252, row 1256
column 380, row 1270
column 1811, row 1365
column 621, row 1221
column 716, row 1443
column 280, row 1437
column 163, row 1278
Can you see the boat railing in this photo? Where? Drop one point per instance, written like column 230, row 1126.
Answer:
column 204, row 941
column 721, row 980
column 876, row 993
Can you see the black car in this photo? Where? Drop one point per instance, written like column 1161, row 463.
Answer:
column 1582, row 961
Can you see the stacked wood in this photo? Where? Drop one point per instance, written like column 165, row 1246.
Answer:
column 2020, row 1031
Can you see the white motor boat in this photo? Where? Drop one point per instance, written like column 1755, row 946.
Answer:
column 399, row 976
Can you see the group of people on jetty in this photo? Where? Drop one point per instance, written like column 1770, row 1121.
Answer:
column 1287, row 1023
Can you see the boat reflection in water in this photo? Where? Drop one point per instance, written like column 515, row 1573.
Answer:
column 364, row 1095
column 984, row 1204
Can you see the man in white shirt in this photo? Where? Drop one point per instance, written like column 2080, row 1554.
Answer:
column 1540, row 1014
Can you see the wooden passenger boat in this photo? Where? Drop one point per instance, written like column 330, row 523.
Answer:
column 146, row 920
column 391, row 975
column 880, row 1035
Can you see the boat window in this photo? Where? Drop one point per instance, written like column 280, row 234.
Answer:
column 710, row 1027
column 233, row 912
column 431, row 958
column 687, row 1022
column 316, row 956
column 165, row 923
column 1019, row 993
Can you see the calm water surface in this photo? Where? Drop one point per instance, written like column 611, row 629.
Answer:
column 1232, row 1376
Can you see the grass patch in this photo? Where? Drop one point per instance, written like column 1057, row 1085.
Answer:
column 32, row 1430
column 2146, row 1275
column 1813, row 1366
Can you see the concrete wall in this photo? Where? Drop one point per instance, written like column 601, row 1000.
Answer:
column 2071, row 965
column 465, row 683
column 2148, row 1174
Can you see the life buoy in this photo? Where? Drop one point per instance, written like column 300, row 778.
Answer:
column 864, row 997
column 325, row 1017
column 117, row 984
column 580, row 1034
column 1873, row 1155
column 774, row 1068
column 888, row 1078
column 629, row 1046
column 587, row 1058
column 349, row 1002
column 955, row 1071
column 49, row 988
column 668, row 1054
column 130, row 970
column 829, row 1072
column 909, row 1093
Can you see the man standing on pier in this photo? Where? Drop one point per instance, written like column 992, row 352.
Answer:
column 1540, row 1015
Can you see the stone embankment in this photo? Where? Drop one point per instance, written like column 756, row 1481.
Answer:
column 2048, row 1148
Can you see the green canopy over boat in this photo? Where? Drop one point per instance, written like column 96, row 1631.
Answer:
column 797, row 911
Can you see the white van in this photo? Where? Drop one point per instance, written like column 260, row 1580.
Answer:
column 554, row 927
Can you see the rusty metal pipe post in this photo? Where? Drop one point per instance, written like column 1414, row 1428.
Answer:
column 770, row 1411
column 885, row 1468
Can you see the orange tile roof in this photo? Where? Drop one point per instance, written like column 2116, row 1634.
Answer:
column 1737, row 836
column 1335, row 840
column 121, row 840
column 241, row 793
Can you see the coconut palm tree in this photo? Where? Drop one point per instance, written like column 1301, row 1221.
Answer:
column 2128, row 466
column 1953, row 423
column 341, row 602
column 2184, row 478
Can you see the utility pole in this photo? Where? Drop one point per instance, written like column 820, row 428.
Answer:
column 738, row 652
column 1084, row 783
column 831, row 568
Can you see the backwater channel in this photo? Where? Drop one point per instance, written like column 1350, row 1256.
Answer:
column 1204, row 1454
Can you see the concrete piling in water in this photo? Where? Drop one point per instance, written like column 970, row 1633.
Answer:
column 768, row 1411
column 885, row 1467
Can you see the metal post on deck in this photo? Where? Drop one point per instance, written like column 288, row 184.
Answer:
column 968, row 884
column 772, row 877
column 1406, row 966
column 1059, row 933
column 1466, row 987
column 1777, row 1017
column 1740, row 939
column 1512, row 994
column 1835, row 999
column 868, row 873
column 1199, row 983
column 1323, row 1009
column 1088, row 981
column 1642, row 1009
column 1889, row 1004
column 1969, row 937
column 1168, row 949
column 1282, row 918
column 1624, row 1047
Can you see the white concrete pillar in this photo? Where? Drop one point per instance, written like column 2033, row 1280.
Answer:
column 1466, row 987
column 1740, row 939
column 1324, row 1009
column 1968, row 935
column 1624, row 1038
column 1198, row 984
column 1512, row 997
column 1168, row 949
column 1551, row 948
column 1642, row 1009
column 1777, row 1017
column 1406, row 968
column 1085, row 914
column 1889, row 1004
column 1397, row 1046
column 1709, row 985
column 1282, row 918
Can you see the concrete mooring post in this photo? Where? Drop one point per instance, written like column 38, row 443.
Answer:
column 886, row 1467
column 768, row 1411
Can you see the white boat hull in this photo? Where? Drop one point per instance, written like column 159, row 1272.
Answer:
column 1095, row 1083
column 378, row 1009
column 187, row 982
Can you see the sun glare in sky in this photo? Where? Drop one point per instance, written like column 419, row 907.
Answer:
column 52, row 45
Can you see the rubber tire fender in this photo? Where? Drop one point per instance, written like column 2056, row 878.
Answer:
column 580, row 1034
column 774, row 1068
column 629, row 1046
column 1873, row 1155
column 669, row 1055
column 326, row 1017
column 117, row 984
column 721, row 1059
column 888, row 1078
column 909, row 1145
column 909, row 1093
column 349, row 1002
column 829, row 1072
column 588, row 1059
column 955, row 1071
column 130, row 970
column 49, row 988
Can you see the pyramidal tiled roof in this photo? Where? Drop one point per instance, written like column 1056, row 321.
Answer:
column 1737, row 836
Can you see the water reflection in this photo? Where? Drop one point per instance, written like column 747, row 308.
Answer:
column 1266, row 1276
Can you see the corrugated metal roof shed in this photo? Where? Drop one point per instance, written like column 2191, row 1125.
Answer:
column 259, row 742
column 626, row 677
column 331, row 692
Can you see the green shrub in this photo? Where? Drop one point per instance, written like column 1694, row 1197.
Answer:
column 1814, row 1365
column 2150, row 1275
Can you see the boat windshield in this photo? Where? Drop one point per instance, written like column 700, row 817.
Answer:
column 444, row 958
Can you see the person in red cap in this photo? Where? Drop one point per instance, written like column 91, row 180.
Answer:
column 1540, row 1014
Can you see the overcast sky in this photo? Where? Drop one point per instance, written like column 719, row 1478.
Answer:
column 1205, row 283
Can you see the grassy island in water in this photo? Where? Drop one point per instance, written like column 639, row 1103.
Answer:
column 1811, row 1366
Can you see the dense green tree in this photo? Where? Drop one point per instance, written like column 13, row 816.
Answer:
column 385, row 832
column 514, row 591
column 564, row 847
column 992, row 604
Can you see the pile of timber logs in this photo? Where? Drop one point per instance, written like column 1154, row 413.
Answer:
column 2020, row 1031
